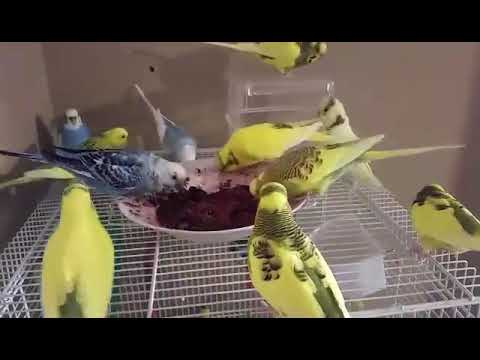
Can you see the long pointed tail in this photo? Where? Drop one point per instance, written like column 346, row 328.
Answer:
column 18, row 181
column 157, row 115
column 54, row 173
column 32, row 157
column 387, row 154
column 49, row 173
column 45, row 142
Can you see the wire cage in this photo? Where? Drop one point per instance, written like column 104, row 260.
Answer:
column 159, row 276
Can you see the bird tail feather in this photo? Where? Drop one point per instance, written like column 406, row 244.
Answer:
column 387, row 154
column 157, row 115
column 245, row 47
column 28, row 156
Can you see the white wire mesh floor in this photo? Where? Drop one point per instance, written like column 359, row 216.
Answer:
column 159, row 276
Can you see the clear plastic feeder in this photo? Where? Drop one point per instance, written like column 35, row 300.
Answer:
column 274, row 100
column 355, row 257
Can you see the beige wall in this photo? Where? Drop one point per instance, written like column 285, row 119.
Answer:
column 417, row 94
column 23, row 95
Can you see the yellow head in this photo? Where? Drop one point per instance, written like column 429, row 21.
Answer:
column 227, row 159
column 256, row 185
column 117, row 138
column 75, row 196
column 273, row 197
column 433, row 193
column 437, row 187
column 312, row 51
column 332, row 112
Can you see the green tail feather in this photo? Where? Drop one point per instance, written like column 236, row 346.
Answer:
column 38, row 175
column 19, row 181
column 325, row 296
column 387, row 154
column 71, row 308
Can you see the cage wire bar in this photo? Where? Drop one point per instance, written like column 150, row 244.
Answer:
column 159, row 276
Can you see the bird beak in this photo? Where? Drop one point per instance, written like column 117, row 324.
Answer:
column 180, row 187
column 221, row 165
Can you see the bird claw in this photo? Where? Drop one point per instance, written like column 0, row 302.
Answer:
column 418, row 253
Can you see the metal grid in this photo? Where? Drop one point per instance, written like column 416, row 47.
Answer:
column 159, row 276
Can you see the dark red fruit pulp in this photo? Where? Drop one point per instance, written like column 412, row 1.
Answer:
column 229, row 208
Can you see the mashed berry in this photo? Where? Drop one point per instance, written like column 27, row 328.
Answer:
column 229, row 208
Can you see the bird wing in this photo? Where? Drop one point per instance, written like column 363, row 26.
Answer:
column 468, row 221
column 118, row 169
column 249, row 47
column 315, row 163
column 90, row 144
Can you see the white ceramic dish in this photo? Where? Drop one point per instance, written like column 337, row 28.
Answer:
column 204, row 174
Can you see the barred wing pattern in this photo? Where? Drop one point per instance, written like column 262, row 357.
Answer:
column 117, row 169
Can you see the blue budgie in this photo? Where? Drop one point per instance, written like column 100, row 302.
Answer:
column 119, row 172
column 74, row 132
column 115, row 172
column 178, row 144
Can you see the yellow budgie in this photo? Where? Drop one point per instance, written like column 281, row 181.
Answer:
column 116, row 138
column 113, row 139
column 283, row 56
column 442, row 222
column 266, row 141
column 337, row 129
column 78, row 263
column 304, row 170
column 286, row 267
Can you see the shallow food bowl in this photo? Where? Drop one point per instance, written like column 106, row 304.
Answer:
column 204, row 174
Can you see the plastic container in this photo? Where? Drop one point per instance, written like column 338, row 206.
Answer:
column 274, row 100
column 204, row 174
column 354, row 256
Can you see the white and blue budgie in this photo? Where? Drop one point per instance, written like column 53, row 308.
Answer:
column 115, row 172
column 74, row 131
column 177, row 143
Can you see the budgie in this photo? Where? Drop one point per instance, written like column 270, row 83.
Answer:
column 283, row 56
column 115, row 172
column 286, row 267
column 178, row 144
column 305, row 169
column 442, row 222
column 265, row 141
column 337, row 129
column 116, row 138
column 112, row 139
column 74, row 131
column 78, row 263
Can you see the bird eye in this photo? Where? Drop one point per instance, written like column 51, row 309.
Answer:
column 124, row 136
column 174, row 177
